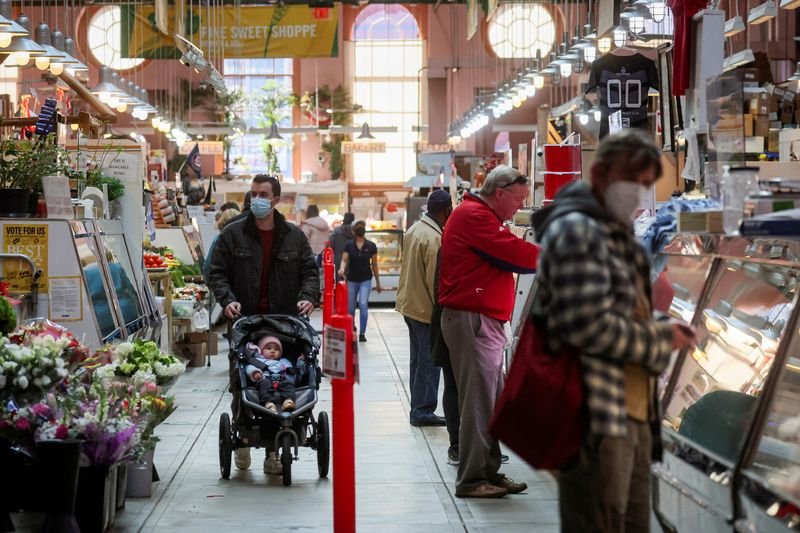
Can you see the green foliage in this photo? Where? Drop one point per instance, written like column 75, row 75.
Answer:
column 8, row 320
column 96, row 178
column 24, row 163
column 339, row 100
column 274, row 102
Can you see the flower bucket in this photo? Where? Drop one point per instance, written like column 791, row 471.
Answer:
column 140, row 476
column 60, row 459
column 122, row 485
column 94, row 492
column 14, row 202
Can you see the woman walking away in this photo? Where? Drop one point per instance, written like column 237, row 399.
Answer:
column 315, row 229
column 359, row 264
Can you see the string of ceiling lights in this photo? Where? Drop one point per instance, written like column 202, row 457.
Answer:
column 571, row 57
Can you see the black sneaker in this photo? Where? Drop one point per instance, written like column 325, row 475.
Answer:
column 503, row 458
column 362, row 338
column 452, row 455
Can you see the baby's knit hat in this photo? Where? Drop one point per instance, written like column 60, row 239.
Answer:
column 263, row 341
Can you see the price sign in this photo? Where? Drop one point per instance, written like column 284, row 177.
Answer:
column 334, row 352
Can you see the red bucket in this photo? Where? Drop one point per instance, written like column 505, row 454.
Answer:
column 554, row 181
column 562, row 157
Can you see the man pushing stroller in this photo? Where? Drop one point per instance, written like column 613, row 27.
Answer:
column 273, row 375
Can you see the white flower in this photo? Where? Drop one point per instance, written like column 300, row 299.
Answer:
column 38, row 382
column 61, row 373
column 143, row 376
column 22, row 382
column 123, row 349
column 59, row 362
column 46, row 381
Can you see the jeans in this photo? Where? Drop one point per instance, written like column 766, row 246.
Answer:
column 358, row 291
column 423, row 376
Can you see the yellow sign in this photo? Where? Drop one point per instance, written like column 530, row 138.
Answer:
column 372, row 147
column 246, row 31
column 29, row 240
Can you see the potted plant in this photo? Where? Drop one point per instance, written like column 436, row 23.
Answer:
column 339, row 101
column 23, row 164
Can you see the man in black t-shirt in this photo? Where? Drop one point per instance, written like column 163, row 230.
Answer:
column 622, row 84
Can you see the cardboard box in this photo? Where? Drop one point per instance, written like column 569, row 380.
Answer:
column 195, row 337
column 787, row 107
column 754, row 145
column 773, row 141
column 760, row 126
column 747, row 123
column 195, row 353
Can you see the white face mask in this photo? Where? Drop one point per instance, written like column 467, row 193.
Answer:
column 622, row 198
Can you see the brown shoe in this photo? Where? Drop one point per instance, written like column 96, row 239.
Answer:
column 508, row 484
column 288, row 405
column 485, row 490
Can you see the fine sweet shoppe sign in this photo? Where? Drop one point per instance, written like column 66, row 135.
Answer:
column 246, row 31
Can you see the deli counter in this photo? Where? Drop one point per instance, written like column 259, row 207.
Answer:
column 731, row 404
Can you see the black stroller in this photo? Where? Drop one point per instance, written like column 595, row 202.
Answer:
column 253, row 425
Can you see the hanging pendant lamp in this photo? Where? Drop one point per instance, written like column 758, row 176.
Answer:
column 23, row 47
column 274, row 138
column 42, row 38
column 365, row 134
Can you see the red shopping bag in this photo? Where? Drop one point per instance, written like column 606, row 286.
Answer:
column 541, row 414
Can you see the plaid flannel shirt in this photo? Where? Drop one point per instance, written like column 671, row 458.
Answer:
column 587, row 288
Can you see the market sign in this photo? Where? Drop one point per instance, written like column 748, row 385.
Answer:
column 370, row 147
column 427, row 148
column 29, row 240
column 206, row 147
column 246, row 31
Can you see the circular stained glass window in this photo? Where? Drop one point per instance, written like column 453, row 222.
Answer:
column 105, row 38
column 518, row 30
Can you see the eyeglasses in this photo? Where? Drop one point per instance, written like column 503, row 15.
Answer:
column 519, row 180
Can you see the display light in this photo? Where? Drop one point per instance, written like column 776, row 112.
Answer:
column 734, row 26
column 122, row 107
column 9, row 29
column 565, row 69
column 658, row 10
column 598, row 114
column 21, row 49
column 530, row 90
column 790, row 4
column 42, row 38
column 590, row 53
column 105, row 89
column 156, row 122
column 636, row 24
column 583, row 118
column 74, row 126
column 620, row 37
column 762, row 13
column 274, row 138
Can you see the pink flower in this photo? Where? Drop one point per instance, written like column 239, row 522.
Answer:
column 4, row 424
column 23, row 424
column 62, row 432
column 41, row 409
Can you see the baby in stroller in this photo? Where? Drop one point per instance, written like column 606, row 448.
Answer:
column 274, row 376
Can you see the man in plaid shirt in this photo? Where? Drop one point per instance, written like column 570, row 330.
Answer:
column 594, row 290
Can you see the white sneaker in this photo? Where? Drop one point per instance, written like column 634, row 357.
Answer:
column 272, row 465
column 241, row 458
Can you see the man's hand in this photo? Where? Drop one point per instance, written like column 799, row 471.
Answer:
column 683, row 336
column 233, row 310
column 257, row 375
column 378, row 288
column 304, row 307
column 341, row 273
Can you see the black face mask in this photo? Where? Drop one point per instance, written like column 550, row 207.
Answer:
column 360, row 231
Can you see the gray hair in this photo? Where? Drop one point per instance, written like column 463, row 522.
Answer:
column 501, row 176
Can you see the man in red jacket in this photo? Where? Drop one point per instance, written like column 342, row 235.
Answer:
column 476, row 290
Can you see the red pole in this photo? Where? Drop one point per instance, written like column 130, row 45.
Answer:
column 329, row 284
column 344, row 454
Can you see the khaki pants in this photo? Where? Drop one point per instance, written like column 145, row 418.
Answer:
column 608, row 490
column 476, row 345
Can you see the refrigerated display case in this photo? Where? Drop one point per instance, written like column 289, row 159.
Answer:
column 390, row 255
column 729, row 427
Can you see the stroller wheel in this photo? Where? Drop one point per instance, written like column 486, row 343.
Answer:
column 225, row 446
column 286, row 459
column 323, row 439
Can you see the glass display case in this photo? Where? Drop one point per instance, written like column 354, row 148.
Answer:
column 390, row 255
column 729, row 403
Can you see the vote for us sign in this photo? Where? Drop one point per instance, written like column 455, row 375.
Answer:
column 29, row 240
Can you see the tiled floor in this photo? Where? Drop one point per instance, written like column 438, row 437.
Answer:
column 403, row 481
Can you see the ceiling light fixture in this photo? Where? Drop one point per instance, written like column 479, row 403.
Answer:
column 274, row 138
column 365, row 134
column 734, row 26
column 762, row 13
column 741, row 58
column 22, row 48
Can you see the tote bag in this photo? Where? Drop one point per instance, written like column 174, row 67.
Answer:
column 541, row 414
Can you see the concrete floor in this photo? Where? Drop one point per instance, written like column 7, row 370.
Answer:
column 403, row 480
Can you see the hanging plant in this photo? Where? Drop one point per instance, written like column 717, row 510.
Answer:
column 343, row 108
column 275, row 103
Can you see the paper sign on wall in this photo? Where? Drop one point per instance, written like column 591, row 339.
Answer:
column 66, row 299
column 57, row 197
column 29, row 240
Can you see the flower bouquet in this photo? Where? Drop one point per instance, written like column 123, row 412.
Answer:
column 138, row 359
column 19, row 424
column 35, row 358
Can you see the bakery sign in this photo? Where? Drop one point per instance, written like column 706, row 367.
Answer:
column 371, row 147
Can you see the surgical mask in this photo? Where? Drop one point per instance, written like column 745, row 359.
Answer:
column 261, row 207
column 622, row 198
column 360, row 231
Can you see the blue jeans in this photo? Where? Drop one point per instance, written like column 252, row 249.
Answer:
column 423, row 376
column 358, row 291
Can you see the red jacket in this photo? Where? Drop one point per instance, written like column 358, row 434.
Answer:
column 479, row 255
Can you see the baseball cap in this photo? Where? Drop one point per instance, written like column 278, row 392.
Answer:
column 438, row 201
